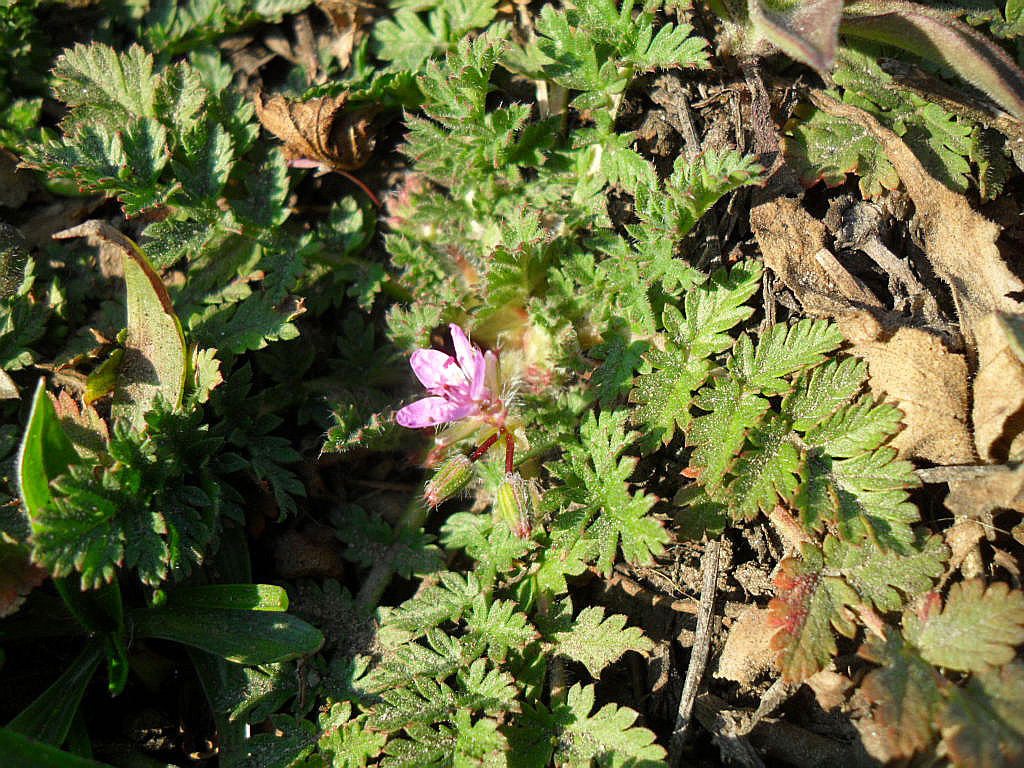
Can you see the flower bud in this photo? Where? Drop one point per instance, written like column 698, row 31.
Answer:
column 450, row 478
column 514, row 504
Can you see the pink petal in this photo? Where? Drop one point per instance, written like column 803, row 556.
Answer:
column 463, row 348
column 484, row 386
column 431, row 411
column 471, row 360
column 478, row 385
column 435, row 369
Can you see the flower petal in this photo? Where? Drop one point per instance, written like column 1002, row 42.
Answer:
column 463, row 350
column 435, row 369
column 471, row 360
column 480, row 384
column 431, row 411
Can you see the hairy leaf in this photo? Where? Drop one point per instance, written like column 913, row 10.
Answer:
column 906, row 691
column 976, row 630
column 934, row 35
column 809, row 604
column 808, row 31
column 595, row 495
column 607, row 736
column 596, row 641
column 888, row 579
column 983, row 724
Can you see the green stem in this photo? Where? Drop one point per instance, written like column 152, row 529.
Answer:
column 380, row 575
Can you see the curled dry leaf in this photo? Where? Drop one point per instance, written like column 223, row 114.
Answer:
column 961, row 245
column 793, row 244
column 913, row 369
column 320, row 130
column 348, row 17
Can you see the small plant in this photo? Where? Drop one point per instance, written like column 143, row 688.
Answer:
column 449, row 407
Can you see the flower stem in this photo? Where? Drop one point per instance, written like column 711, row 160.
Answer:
column 510, row 451
column 482, row 449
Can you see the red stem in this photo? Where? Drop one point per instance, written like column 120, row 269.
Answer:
column 510, row 450
column 361, row 185
column 484, row 446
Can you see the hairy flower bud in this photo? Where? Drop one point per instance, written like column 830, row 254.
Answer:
column 450, row 478
column 514, row 504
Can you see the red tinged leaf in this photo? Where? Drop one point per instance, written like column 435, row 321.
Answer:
column 810, row 604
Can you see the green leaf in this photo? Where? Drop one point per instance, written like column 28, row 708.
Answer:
column 407, row 41
column 768, row 468
column 154, row 362
column 718, row 435
column 447, row 601
column 48, row 718
column 785, row 349
column 664, row 395
column 499, row 626
column 888, row 579
column 346, row 741
column 595, row 495
column 107, row 87
column 45, row 452
column 864, row 496
column 125, row 161
column 820, row 391
column 621, row 357
column 671, row 211
column 711, row 309
column 907, row 693
column 983, row 725
column 809, row 604
column 291, row 739
column 596, row 641
column 245, row 637
column 238, row 597
column 468, row 743
column 939, row 38
column 856, row 428
column 672, row 47
column 22, row 752
column 976, row 630
column 825, row 148
column 495, row 549
column 607, row 737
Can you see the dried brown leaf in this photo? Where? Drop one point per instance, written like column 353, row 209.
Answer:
column 912, row 369
column 320, row 130
column 748, row 651
column 998, row 394
column 793, row 244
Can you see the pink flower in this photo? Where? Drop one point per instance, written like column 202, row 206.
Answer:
column 462, row 387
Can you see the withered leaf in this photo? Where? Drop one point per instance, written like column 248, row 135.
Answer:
column 320, row 130
column 18, row 576
column 914, row 370
column 794, row 247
